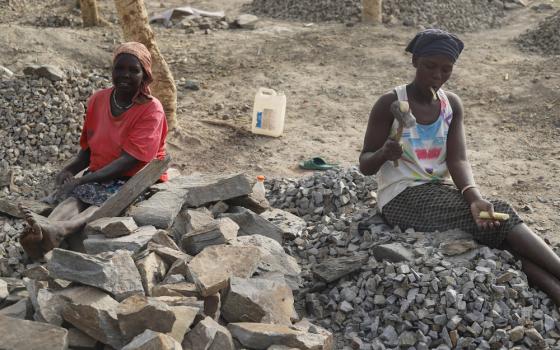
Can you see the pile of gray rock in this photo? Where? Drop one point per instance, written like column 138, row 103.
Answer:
column 376, row 287
column 41, row 114
column 193, row 24
column 191, row 267
column 544, row 39
column 453, row 15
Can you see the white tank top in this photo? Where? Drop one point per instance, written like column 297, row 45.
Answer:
column 424, row 153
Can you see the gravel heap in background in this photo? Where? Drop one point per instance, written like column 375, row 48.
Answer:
column 545, row 39
column 452, row 15
column 40, row 123
column 475, row 300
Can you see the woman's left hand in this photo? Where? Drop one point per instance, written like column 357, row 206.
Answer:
column 67, row 188
column 483, row 205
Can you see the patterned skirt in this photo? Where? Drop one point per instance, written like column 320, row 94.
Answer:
column 441, row 207
column 97, row 193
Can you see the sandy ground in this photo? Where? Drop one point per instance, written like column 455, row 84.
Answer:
column 331, row 75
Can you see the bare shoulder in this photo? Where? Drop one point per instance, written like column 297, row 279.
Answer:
column 454, row 100
column 382, row 107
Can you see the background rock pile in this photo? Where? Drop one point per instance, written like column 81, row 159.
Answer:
column 375, row 287
column 41, row 116
column 545, row 38
column 453, row 15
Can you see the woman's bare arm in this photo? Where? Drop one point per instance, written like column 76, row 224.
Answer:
column 378, row 147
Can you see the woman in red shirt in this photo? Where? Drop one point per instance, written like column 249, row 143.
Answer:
column 124, row 129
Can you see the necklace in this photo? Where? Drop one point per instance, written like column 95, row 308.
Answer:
column 119, row 106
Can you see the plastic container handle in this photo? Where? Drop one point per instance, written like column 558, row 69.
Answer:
column 265, row 91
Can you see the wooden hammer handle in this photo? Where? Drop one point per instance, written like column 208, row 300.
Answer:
column 398, row 139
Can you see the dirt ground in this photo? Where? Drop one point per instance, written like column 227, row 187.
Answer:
column 331, row 75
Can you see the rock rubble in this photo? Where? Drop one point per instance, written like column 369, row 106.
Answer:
column 376, row 287
column 134, row 288
column 333, row 276
column 453, row 15
column 543, row 39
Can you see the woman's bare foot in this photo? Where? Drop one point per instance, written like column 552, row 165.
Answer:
column 41, row 233
column 31, row 242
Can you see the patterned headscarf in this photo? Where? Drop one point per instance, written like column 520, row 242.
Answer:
column 431, row 42
column 143, row 55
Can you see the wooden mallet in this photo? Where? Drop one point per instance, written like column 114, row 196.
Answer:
column 401, row 112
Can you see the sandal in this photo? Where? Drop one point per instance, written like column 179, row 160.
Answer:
column 316, row 163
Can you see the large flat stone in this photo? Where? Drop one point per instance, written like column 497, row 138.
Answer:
column 4, row 293
column 219, row 231
column 394, row 252
column 16, row 334
column 152, row 270
column 261, row 336
column 111, row 227
column 222, row 340
column 274, row 258
column 258, row 300
column 115, row 272
column 184, row 318
column 138, row 313
column 94, row 313
column 202, row 335
column 206, row 188
column 292, row 225
column 159, row 210
column 169, row 255
column 191, row 220
column 79, row 340
column 212, row 268
column 150, row 340
column 251, row 223
column 133, row 242
column 21, row 309
column 333, row 269
column 176, row 290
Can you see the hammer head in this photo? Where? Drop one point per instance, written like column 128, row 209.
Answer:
column 401, row 112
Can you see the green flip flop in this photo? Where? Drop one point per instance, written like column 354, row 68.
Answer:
column 316, row 163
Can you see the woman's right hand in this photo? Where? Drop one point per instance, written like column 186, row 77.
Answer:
column 63, row 177
column 391, row 150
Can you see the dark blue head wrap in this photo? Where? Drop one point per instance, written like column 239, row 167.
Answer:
column 432, row 42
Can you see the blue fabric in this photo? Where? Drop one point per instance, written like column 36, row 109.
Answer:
column 431, row 42
column 428, row 132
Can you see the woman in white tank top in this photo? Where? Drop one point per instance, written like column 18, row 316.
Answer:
column 432, row 186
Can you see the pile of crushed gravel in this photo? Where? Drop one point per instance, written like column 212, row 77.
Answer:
column 376, row 287
column 545, row 39
column 40, row 125
column 452, row 15
column 41, row 120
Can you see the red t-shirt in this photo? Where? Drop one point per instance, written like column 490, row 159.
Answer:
column 140, row 132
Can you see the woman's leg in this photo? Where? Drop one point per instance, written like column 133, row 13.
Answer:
column 526, row 244
column 48, row 233
column 67, row 209
column 542, row 279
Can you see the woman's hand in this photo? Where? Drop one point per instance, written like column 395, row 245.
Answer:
column 391, row 150
column 63, row 177
column 67, row 187
column 483, row 205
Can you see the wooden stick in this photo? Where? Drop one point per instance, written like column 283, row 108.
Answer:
column 398, row 139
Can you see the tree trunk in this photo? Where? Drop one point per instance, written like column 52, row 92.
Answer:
column 90, row 14
column 134, row 21
column 372, row 10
